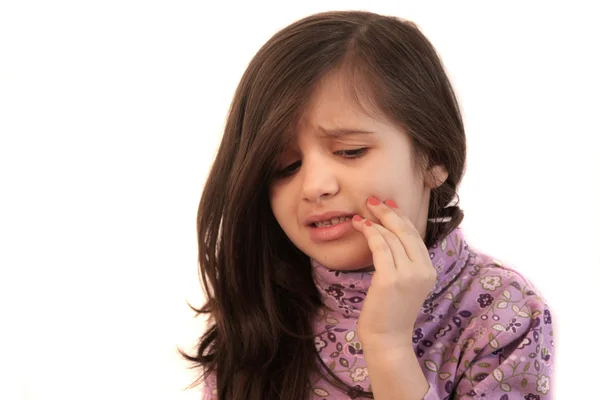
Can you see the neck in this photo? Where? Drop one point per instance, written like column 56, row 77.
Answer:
column 345, row 291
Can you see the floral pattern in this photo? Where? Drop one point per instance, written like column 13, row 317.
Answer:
column 491, row 282
column 359, row 374
column 483, row 333
column 485, row 300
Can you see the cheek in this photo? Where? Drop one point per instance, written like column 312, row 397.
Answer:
column 281, row 206
column 274, row 202
column 400, row 187
column 381, row 185
column 383, row 173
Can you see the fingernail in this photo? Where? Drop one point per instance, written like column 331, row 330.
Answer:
column 368, row 223
column 357, row 218
column 390, row 203
column 374, row 201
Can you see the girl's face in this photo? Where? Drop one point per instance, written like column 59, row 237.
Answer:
column 340, row 157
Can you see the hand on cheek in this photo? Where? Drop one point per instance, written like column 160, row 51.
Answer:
column 403, row 278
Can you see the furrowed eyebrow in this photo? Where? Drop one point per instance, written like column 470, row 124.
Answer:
column 337, row 132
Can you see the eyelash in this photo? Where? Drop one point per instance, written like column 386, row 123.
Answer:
column 349, row 154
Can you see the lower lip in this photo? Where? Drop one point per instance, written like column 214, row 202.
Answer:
column 333, row 232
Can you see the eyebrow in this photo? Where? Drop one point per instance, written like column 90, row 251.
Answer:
column 337, row 132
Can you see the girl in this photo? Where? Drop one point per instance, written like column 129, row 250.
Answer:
column 329, row 243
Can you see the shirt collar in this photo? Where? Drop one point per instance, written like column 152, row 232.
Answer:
column 346, row 290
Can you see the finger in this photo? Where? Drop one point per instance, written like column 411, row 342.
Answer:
column 396, row 246
column 391, row 204
column 383, row 260
column 420, row 240
column 392, row 218
column 407, row 271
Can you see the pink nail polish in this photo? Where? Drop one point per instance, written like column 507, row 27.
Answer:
column 357, row 218
column 368, row 223
column 391, row 204
column 374, row 201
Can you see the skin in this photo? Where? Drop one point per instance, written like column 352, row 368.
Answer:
column 403, row 278
column 328, row 180
column 389, row 199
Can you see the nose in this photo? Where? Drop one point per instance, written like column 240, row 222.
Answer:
column 319, row 180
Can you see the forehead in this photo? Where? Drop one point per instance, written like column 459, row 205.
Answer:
column 332, row 100
column 335, row 109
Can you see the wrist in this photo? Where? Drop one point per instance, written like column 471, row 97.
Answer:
column 384, row 344
column 395, row 372
column 389, row 355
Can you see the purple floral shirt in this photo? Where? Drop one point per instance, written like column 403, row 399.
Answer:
column 483, row 333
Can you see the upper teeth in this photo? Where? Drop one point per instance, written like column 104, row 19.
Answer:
column 332, row 221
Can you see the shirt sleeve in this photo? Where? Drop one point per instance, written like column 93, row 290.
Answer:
column 431, row 394
column 209, row 388
column 516, row 363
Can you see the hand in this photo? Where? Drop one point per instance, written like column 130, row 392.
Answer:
column 403, row 278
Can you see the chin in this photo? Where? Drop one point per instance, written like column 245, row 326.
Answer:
column 344, row 260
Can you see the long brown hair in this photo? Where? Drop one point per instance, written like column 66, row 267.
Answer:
column 261, row 298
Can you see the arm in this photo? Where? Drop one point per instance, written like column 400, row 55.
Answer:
column 398, row 375
column 403, row 278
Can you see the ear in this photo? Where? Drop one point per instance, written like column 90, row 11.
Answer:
column 436, row 176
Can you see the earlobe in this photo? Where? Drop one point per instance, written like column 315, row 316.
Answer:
column 437, row 176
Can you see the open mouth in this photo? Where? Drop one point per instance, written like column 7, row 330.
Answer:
column 330, row 222
column 331, row 229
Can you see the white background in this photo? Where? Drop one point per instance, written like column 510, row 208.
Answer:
column 110, row 112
